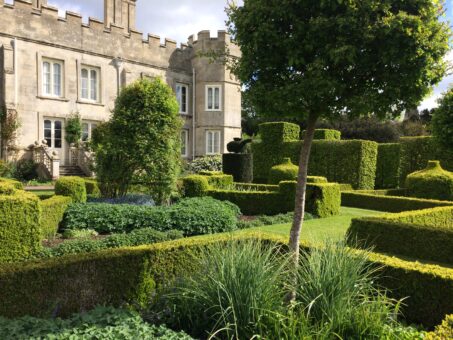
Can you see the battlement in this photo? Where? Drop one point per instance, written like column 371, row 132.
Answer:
column 205, row 36
column 24, row 12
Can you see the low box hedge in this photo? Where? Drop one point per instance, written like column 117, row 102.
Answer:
column 92, row 187
column 422, row 235
column 16, row 184
column 113, row 277
column 73, row 187
column 393, row 204
column 20, row 232
column 53, row 210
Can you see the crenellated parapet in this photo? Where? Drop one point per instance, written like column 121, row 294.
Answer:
column 39, row 22
column 205, row 42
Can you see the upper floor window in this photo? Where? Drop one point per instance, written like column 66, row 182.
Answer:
column 213, row 97
column 212, row 142
column 182, row 92
column 184, row 142
column 90, row 83
column 52, row 78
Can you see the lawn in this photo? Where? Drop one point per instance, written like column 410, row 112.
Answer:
column 324, row 228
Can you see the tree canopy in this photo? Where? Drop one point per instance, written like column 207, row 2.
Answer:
column 141, row 142
column 442, row 121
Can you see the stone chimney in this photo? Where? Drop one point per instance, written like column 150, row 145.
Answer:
column 38, row 3
column 119, row 13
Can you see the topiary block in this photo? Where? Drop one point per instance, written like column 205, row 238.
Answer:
column 285, row 171
column 239, row 165
column 280, row 132
column 73, row 187
column 195, row 186
column 325, row 134
column 433, row 182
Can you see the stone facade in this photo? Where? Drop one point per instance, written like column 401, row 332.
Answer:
column 51, row 67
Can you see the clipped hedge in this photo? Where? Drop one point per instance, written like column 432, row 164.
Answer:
column 417, row 151
column 285, row 171
column 73, row 187
column 443, row 331
column 424, row 234
column 92, row 187
column 239, row 165
column 219, row 180
column 323, row 199
column 433, row 183
column 20, row 232
column 394, row 204
column 193, row 216
column 53, row 210
column 388, row 166
column 280, row 132
column 195, row 185
column 325, row 134
column 113, row 277
column 352, row 161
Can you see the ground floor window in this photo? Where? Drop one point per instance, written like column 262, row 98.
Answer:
column 184, row 143
column 53, row 133
column 212, row 142
column 87, row 130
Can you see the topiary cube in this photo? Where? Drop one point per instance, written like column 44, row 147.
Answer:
column 73, row 187
column 195, row 185
column 286, row 171
column 433, row 182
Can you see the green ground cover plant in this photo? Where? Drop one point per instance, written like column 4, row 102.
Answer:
column 194, row 216
column 100, row 323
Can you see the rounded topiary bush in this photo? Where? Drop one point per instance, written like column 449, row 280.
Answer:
column 286, row 171
column 195, row 186
column 73, row 187
column 432, row 182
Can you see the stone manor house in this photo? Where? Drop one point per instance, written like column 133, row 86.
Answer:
column 52, row 67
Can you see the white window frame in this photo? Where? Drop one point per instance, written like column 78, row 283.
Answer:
column 179, row 98
column 90, row 129
column 213, row 88
column 52, row 137
column 89, row 88
column 185, row 135
column 52, row 63
column 215, row 150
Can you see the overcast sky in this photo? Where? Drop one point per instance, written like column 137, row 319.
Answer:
column 177, row 19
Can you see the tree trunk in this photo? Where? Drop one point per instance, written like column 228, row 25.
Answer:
column 301, row 190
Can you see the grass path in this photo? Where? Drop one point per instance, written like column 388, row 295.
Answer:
column 317, row 230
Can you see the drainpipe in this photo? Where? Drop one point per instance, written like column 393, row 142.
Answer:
column 193, row 112
column 16, row 73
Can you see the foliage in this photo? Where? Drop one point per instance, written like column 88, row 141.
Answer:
column 92, row 187
column 218, row 180
column 16, row 184
column 137, row 237
column 442, row 123
column 388, row 166
column 264, row 220
column 9, row 124
column 279, row 132
column 73, row 128
column 394, row 204
column 53, row 210
column 413, row 128
column 141, row 142
column 100, row 323
column 133, row 199
column 444, row 331
column 286, row 171
column 239, row 165
column 423, row 235
column 365, row 128
column 79, row 234
column 433, row 183
column 25, row 170
column 207, row 163
column 6, row 169
column 195, row 185
column 20, row 232
column 73, row 187
column 193, row 216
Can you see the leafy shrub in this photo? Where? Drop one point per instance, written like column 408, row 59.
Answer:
column 132, row 199
column 73, row 187
column 16, row 184
column 286, row 171
column 135, row 238
column 6, row 169
column 73, row 128
column 100, row 323
column 92, row 187
column 432, row 183
column 442, row 122
column 192, row 216
column 53, row 210
column 207, row 163
column 80, row 233
column 195, row 185
column 25, row 170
